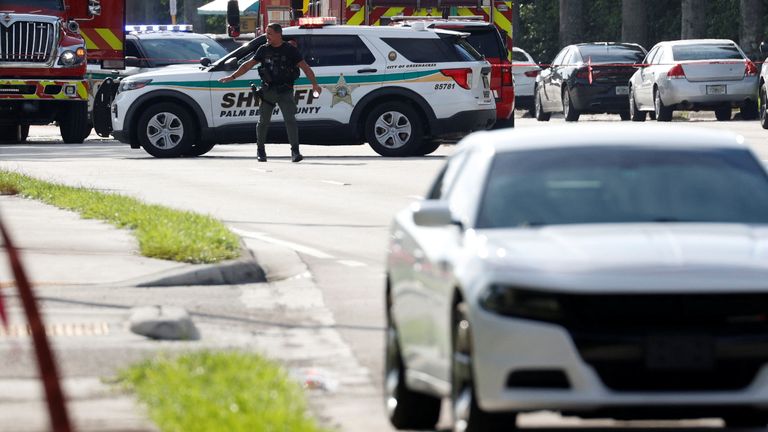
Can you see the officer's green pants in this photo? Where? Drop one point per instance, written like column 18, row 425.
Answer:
column 287, row 104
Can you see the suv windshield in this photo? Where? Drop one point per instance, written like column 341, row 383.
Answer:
column 706, row 52
column 624, row 184
column 42, row 4
column 612, row 53
column 167, row 51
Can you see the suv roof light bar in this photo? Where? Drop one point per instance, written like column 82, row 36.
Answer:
column 316, row 22
column 159, row 28
column 438, row 18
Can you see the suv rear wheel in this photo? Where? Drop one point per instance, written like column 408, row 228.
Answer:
column 394, row 129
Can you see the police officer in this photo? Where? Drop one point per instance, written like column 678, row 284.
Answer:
column 280, row 62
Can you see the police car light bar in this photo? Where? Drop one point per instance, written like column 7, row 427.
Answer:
column 438, row 18
column 313, row 22
column 159, row 27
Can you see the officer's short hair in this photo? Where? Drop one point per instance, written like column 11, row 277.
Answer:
column 275, row 27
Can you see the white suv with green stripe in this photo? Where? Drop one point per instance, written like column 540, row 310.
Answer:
column 399, row 89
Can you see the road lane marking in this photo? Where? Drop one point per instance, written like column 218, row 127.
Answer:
column 334, row 182
column 295, row 246
column 350, row 263
column 260, row 170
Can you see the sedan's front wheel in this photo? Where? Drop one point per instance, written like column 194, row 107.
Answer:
column 539, row 108
column 663, row 112
column 467, row 414
column 405, row 408
column 569, row 110
column 634, row 113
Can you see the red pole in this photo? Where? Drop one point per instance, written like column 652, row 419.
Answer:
column 45, row 362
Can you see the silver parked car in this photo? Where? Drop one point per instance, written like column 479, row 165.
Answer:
column 696, row 74
column 619, row 271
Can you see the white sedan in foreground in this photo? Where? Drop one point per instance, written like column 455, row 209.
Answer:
column 614, row 271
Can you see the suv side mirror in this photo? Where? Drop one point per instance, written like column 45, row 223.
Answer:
column 205, row 61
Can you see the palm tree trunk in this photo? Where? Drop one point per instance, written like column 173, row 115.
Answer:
column 571, row 22
column 634, row 22
column 694, row 23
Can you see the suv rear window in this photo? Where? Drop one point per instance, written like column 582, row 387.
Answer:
column 446, row 48
column 612, row 53
column 706, row 52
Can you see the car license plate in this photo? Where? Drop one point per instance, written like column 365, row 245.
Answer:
column 718, row 89
column 622, row 90
column 486, row 94
column 679, row 352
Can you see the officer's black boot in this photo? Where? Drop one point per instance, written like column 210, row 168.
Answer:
column 261, row 154
column 295, row 155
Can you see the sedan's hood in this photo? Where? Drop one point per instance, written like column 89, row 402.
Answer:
column 633, row 255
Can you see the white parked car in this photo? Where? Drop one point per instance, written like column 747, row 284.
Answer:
column 525, row 70
column 616, row 271
column 695, row 74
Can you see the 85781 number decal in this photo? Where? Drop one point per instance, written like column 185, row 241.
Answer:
column 445, row 86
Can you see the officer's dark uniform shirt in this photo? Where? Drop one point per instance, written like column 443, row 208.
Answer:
column 280, row 63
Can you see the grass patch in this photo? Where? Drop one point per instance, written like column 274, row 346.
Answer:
column 161, row 232
column 222, row 391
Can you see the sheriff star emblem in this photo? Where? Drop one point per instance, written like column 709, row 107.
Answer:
column 341, row 91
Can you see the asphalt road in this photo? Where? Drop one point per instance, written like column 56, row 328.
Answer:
column 333, row 208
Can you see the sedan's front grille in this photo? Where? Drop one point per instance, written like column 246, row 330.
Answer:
column 670, row 342
column 26, row 42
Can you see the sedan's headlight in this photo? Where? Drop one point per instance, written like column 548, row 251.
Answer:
column 126, row 85
column 523, row 303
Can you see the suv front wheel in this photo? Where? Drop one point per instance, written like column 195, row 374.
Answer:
column 394, row 129
column 166, row 130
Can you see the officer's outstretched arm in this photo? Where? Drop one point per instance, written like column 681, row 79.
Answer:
column 245, row 67
column 311, row 75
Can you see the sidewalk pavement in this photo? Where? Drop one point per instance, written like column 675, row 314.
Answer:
column 87, row 275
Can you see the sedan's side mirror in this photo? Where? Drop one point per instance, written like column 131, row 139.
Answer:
column 432, row 213
column 205, row 61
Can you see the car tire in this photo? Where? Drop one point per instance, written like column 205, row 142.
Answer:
column 200, row 149
column 393, row 129
column 13, row 134
column 166, row 130
column 429, row 146
column 539, row 109
column 467, row 414
column 663, row 112
column 634, row 113
column 570, row 112
column 73, row 123
column 763, row 107
column 749, row 110
column 405, row 408
column 723, row 113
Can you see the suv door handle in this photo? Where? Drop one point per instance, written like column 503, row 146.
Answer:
column 369, row 70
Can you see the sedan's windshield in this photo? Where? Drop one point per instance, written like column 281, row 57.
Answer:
column 628, row 184
column 167, row 51
column 42, row 4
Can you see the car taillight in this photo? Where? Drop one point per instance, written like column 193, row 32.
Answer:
column 506, row 76
column 463, row 77
column 676, row 72
column 750, row 69
column 582, row 73
column 533, row 73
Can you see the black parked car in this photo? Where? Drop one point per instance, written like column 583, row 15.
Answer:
column 588, row 78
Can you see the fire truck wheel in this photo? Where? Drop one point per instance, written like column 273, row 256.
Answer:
column 73, row 124
column 166, row 130
column 12, row 134
column 394, row 129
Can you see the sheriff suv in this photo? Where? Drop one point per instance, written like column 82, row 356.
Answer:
column 399, row 89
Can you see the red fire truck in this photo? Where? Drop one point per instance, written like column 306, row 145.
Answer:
column 44, row 48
